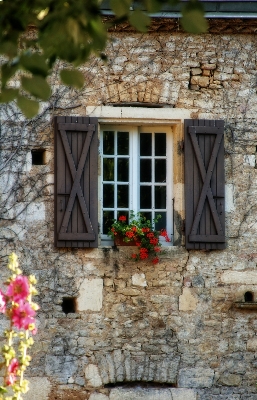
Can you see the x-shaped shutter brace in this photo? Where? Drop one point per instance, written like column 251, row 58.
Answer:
column 76, row 176
column 206, row 189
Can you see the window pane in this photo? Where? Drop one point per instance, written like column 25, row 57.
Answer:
column 108, row 195
column 145, row 144
column 108, row 217
column 123, row 196
column 145, row 171
column 160, row 171
column 123, row 169
column 108, row 169
column 123, row 143
column 145, row 197
column 160, row 196
column 162, row 222
column 160, row 144
column 108, row 142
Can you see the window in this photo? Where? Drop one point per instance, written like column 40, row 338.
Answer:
column 136, row 165
column 156, row 161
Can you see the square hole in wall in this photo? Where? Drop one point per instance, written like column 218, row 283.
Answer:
column 38, row 156
column 69, row 305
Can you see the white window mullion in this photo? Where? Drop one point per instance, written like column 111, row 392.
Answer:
column 134, row 170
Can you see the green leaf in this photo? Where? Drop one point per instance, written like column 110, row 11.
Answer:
column 193, row 20
column 37, row 86
column 139, row 20
column 7, row 71
column 72, row 77
column 34, row 63
column 120, row 7
column 9, row 48
column 28, row 107
column 8, row 95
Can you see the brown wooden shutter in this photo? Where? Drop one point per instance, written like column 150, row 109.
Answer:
column 76, row 182
column 204, row 184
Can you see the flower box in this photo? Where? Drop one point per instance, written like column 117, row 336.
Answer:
column 119, row 241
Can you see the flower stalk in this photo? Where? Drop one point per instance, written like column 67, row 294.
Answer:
column 16, row 303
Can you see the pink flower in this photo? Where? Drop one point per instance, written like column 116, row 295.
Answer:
column 18, row 289
column 13, row 366
column 22, row 316
column 10, row 379
column 2, row 302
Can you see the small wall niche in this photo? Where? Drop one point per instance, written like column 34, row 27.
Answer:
column 69, row 305
column 38, row 156
column 248, row 296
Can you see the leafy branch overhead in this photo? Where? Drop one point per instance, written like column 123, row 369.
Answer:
column 34, row 34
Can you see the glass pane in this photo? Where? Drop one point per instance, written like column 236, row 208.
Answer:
column 108, row 142
column 108, row 217
column 160, row 144
column 145, row 171
column 108, row 195
column 160, row 171
column 108, row 169
column 123, row 196
column 123, row 143
column 145, row 197
column 160, row 196
column 123, row 169
column 162, row 222
column 145, row 144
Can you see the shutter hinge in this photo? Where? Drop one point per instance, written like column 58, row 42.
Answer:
column 181, row 146
column 183, row 225
column 99, row 228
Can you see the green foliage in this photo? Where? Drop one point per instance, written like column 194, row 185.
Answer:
column 72, row 78
column 34, row 34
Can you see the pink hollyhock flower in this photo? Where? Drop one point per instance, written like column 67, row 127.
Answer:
column 2, row 302
column 18, row 289
column 13, row 366
column 10, row 379
column 22, row 315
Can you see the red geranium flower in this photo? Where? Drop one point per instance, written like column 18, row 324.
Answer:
column 122, row 218
column 155, row 260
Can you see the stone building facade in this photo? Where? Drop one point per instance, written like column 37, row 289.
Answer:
column 178, row 330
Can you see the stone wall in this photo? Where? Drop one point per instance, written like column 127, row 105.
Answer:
column 170, row 331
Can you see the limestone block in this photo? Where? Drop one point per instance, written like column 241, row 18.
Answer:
column 90, row 295
column 249, row 159
column 195, row 377
column 202, row 81
column 230, row 379
column 196, row 71
column 252, row 344
column 183, row 394
column 208, row 66
column 139, row 280
column 34, row 212
column 140, row 393
column 92, row 375
column 206, row 72
column 129, row 292
column 229, row 198
column 245, row 277
column 39, row 389
column 187, row 301
column 98, row 396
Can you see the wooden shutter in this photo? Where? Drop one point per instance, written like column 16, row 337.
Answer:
column 204, row 184
column 76, row 181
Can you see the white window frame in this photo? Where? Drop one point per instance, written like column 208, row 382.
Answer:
column 140, row 116
column 134, row 170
